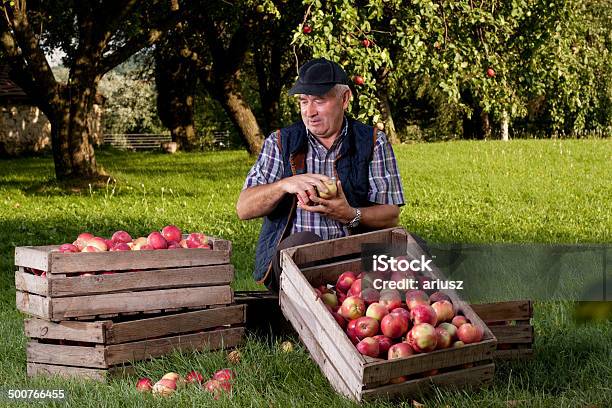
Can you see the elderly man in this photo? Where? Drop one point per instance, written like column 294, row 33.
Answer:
column 287, row 183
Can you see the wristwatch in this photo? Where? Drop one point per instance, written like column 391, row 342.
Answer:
column 355, row 221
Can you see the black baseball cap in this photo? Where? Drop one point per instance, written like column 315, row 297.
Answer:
column 318, row 76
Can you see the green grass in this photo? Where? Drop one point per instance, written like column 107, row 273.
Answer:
column 521, row 191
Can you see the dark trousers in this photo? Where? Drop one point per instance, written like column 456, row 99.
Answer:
column 272, row 281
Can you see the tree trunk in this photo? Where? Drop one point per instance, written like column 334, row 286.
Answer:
column 387, row 117
column 485, row 124
column 241, row 116
column 504, row 126
column 269, row 77
column 176, row 80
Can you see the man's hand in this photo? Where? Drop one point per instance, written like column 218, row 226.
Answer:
column 303, row 186
column 336, row 208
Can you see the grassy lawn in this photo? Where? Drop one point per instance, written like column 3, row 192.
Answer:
column 521, row 191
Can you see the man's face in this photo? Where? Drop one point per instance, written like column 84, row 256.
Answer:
column 323, row 115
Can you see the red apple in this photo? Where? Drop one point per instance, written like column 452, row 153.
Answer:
column 369, row 347
column 147, row 247
column 377, row 311
column 422, row 338
column 82, row 240
column 157, row 240
column 370, row 295
column 121, row 237
column 90, row 248
column 194, row 377
column 399, row 350
column 468, row 333
column 390, row 298
column 109, row 243
column 171, row 233
column 345, row 281
column 490, row 72
column 352, row 308
column 444, row 310
column 173, row 376
column 366, row 327
column 355, row 289
column 459, row 320
column 183, row 243
column 424, row 314
column 350, row 331
column 341, row 296
column 341, row 321
column 450, row 328
column 137, row 243
column 358, row 79
column 120, row 247
column 437, row 296
column 394, row 326
column 216, row 387
column 225, row 374
column 384, row 344
column 144, row 385
column 443, row 339
column 164, row 387
column 68, row 248
column 402, row 312
column 195, row 238
column 415, row 298
column 307, row 29
column 99, row 243
column 366, row 43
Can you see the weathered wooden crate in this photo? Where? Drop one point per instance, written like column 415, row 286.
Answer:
column 143, row 281
column 351, row 374
column 100, row 348
column 510, row 322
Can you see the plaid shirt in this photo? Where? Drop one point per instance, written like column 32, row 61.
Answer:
column 385, row 183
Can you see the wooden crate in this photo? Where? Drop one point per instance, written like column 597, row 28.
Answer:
column 351, row 374
column 143, row 281
column 100, row 348
column 510, row 322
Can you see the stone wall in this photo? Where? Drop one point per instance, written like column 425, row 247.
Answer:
column 25, row 129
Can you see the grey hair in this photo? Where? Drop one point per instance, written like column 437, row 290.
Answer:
column 339, row 90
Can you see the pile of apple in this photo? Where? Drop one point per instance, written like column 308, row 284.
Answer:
column 219, row 383
column 170, row 237
column 381, row 325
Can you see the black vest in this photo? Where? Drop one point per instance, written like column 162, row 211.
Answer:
column 351, row 167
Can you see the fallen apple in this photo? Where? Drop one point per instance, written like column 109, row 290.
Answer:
column 234, row 356
column 194, row 377
column 216, row 387
column 286, row 346
column 164, row 387
column 144, row 384
column 225, row 374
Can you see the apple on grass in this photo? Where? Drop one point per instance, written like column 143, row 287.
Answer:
column 144, row 384
column 194, row 377
column 164, row 387
column 225, row 374
column 217, row 388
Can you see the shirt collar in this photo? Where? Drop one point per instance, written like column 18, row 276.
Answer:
column 338, row 140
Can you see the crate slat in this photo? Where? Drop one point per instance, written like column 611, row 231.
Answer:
column 34, row 305
column 513, row 334
column 316, row 352
column 68, row 330
column 142, row 280
column 504, row 311
column 39, row 369
column 473, row 376
column 173, row 324
column 139, row 301
column 141, row 350
column 65, row 355
column 31, row 283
